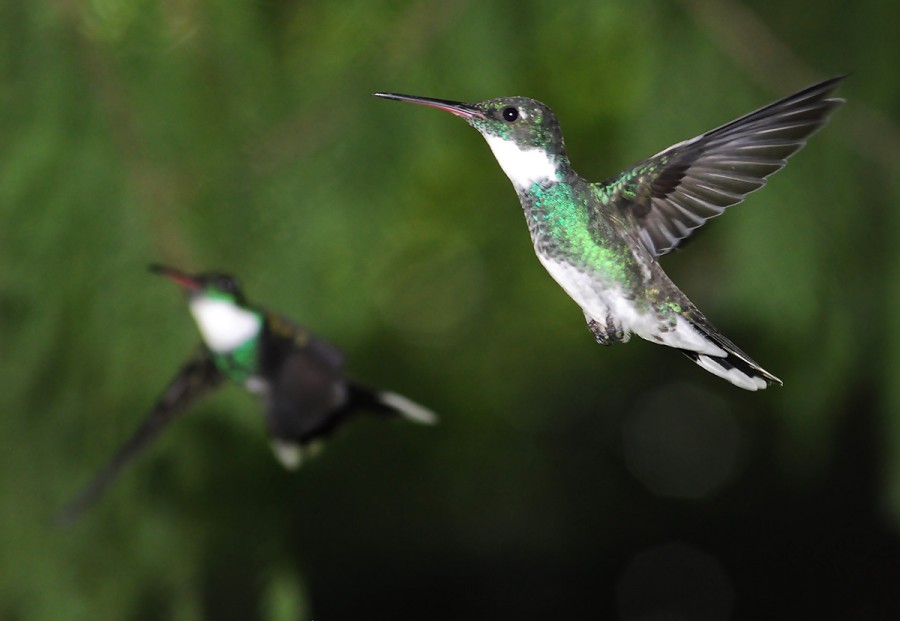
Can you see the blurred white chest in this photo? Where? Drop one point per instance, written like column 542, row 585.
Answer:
column 223, row 324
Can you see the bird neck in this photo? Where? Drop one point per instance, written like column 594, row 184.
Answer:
column 527, row 166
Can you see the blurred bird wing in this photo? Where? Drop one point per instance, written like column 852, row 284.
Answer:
column 677, row 190
column 197, row 378
column 290, row 335
column 307, row 392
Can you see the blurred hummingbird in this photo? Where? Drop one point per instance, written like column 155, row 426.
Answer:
column 601, row 241
column 297, row 376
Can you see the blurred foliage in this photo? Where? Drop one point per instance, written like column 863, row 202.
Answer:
column 241, row 135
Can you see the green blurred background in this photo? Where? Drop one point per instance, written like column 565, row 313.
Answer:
column 564, row 479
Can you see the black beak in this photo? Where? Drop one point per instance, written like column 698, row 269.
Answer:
column 185, row 281
column 460, row 109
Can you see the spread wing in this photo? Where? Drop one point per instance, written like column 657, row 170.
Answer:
column 677, row 190
column 196, row 379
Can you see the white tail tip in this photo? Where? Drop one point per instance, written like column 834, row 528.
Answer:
column 732, row 374
column 408, row 409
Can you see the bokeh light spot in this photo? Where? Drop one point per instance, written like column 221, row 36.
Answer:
column 674, row 582
column 682, row 442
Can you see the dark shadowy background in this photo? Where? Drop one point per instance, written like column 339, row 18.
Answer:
column 565, row 480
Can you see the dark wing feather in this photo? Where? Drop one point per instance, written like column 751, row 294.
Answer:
column 195, row 380
column 307, row 398
column 308, row 390
column 677, row 190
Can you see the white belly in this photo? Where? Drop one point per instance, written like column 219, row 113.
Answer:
column 599, row 301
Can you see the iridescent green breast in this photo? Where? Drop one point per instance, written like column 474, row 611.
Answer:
column 566, row 224
column 239, row 364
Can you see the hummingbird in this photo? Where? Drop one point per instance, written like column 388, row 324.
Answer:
column 297, row 376
column 601, row 241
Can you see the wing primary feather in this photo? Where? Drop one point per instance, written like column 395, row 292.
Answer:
column 195, row 379
column 673, row 193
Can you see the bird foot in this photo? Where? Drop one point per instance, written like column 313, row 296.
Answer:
column 606, row 334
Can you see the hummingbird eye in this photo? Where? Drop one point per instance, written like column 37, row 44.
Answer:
column 227, row 283
column 510, row 114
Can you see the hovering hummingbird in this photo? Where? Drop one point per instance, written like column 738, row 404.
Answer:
column 297, row 376
column 600, row 241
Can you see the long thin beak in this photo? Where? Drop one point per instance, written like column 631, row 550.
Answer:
column 185, row 281
column 460, row 109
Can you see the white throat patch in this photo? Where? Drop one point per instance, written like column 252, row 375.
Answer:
column 224, row 325
column 524, row 167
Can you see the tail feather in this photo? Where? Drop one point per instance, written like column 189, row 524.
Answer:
column 392, row 403
column 407, row 408
column 736, row 366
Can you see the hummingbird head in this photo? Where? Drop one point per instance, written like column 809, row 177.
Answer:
column 214, row 285
column 523, row 133
column 218, row 307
